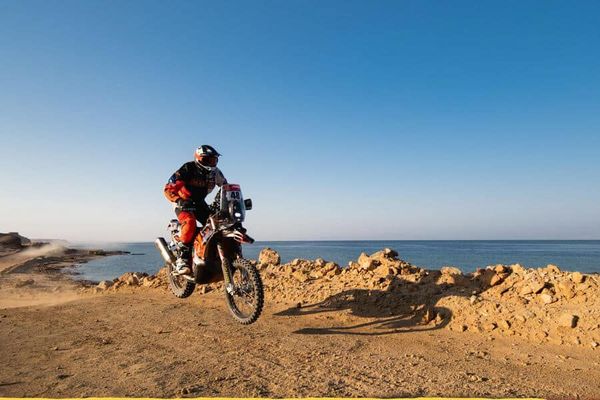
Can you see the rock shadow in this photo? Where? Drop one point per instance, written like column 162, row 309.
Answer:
column 405, row 306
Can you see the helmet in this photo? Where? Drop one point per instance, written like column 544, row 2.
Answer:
column 206, row 157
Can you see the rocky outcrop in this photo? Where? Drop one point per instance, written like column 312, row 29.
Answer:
column 134, row 280
column 13, row 241
column 543, row 305
column 268, row 256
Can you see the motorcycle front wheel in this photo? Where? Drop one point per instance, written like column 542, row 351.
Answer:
column 180, row 286
column 245, row 297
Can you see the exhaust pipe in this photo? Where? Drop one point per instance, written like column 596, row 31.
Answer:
column 166, row 254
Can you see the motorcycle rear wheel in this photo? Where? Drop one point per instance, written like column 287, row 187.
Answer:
column 246, row 301
column 180, row 286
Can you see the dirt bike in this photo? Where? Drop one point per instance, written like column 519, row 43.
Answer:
column 217, row 256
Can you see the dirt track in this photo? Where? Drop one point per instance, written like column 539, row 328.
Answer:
column 144, row 342
column 137, row 340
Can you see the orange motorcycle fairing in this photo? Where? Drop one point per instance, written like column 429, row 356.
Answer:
column 200, row 246
column 201, row 241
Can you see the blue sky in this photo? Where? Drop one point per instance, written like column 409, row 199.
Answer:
column 341, row 120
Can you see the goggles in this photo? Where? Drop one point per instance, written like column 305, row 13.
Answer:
column 209, row 161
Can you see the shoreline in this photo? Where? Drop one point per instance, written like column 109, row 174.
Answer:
column 43, row 273
column 584, row 258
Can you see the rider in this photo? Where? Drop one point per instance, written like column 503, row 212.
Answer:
column 187, row 189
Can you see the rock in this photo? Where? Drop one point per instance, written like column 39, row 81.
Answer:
column 104, row 285
column 330, row 266
column 537, row 285
column 97, row 252
column 148, row 281
column 319, row 263
column 295, row 262
column 450, row 271
column 389, row 253
column 333, row 272
column 366, row 262
column 381, row 271
column 300, row 276
column 520, row 318
column 316, row 274
column 577, row 277
column 525, row 290
column 496, row 280
column 504, row 324
column 568, row 320
column 517, row 269
column 595, row 344
column 269, row 256
column 490, row 326
column 129, row 278
column 546, row 298
column 552, row 269
column 501, row 269
column 565, row 289
column 13, row 240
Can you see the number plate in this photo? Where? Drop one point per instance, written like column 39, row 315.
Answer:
column 233, row 195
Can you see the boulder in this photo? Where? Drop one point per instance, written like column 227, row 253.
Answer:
column 269, row 256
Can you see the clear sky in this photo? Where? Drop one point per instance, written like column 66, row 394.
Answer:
column 340, row 119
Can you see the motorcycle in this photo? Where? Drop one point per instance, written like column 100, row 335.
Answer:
column 217, row 256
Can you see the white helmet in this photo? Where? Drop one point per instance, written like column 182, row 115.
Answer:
column 206, row 157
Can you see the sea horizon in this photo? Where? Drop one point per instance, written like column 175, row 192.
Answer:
column 468, row 255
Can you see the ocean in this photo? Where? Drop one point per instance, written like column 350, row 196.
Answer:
column 571, row 255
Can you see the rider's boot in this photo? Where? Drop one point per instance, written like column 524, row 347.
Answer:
column 182, row 265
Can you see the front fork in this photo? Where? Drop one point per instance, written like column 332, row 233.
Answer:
column 226, row 267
